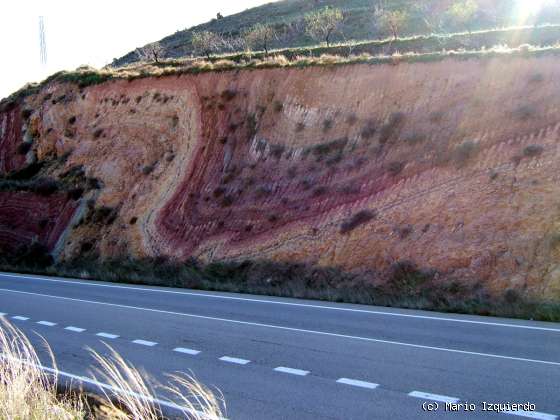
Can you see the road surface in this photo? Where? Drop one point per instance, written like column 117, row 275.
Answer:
column 275, row 358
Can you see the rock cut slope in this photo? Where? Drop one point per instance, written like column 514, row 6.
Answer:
column 452, row 165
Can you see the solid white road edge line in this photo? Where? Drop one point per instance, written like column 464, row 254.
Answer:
column 234, row 360
column 47, row 323
column 108, row 387
column 145, row 343
column 433, row 397
column 279, row 327
column 291, row 371
column 532, row 415
column 106, row 335
column 186, row 351
column 274, row 302
column 355, row 382
column 75, row 329
column 20, row 318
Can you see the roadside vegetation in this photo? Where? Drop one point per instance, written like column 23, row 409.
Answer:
column 29, row 392
column 402, row 285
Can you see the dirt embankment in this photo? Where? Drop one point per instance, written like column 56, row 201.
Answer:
column 451, row 165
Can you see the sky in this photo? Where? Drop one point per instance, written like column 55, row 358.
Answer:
column 91, row 32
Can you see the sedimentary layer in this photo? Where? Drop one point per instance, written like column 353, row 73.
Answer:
column 453, row 165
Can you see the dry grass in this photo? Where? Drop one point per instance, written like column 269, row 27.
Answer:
column 130, row 393
column 88, row 76
column 28, row 392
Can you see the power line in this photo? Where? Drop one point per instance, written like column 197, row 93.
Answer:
column 42, row 41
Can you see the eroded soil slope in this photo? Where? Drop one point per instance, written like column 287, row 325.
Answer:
column 452, row 165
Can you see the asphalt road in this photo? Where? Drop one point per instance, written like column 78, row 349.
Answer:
column 278, row 358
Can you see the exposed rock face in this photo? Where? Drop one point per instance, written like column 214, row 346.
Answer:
column 452, row 165
column 25, row 217
column 10, row 138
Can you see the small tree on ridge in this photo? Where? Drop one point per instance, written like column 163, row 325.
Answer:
column 150, row 52
column 392, row 21
column 320, row 25
column 206, row 43
column 463, row 12
column 260, row 36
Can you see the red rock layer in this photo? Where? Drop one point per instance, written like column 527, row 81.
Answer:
column 26, row 217
column 10, row 138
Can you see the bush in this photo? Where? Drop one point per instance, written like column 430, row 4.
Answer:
column 97, row 133
column 102, row 215
column 415, row 138
column 533, row 150
column 26, row 113
column 390, row 127
column 148, row 169
column 45, row 187
column 395, row 168
column 358, row 219
column 464, row 152
column 405, row 279
column 23, row 148
column 228, row 94
column 369, row 129
column 525, row 112
column 34, row 255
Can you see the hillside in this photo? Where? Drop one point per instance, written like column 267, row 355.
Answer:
column 287, row 17
column 388, row 182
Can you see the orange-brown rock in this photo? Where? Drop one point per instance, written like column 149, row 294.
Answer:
column 453, row 165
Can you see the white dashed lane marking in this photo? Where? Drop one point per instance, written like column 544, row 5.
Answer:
column 186, row 351
column 355, row 382
column 433, row 397
column 297, row 372
column 532, row 415
column 47, row 323
column 291, row 371
column 106, row 335
column 75, row 329
column 234, row 360
column 145, row 343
